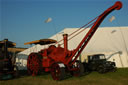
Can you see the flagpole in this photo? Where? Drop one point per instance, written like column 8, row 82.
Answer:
column 49, row 20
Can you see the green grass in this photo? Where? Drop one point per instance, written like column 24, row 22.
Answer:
column 120, row 77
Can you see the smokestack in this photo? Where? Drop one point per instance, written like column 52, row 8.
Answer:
column 5, row 48
column 65, row 37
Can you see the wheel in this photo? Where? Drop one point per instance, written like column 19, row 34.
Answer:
column 34, row 64
column 79, row 69
column 101, row 69
column 114, row 69
column 58, row 71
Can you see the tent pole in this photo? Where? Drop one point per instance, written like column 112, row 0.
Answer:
column 124, row 43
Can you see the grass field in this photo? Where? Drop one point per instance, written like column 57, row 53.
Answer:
column 120, row 77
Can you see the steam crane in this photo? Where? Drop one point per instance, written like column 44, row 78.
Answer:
column 59, row 60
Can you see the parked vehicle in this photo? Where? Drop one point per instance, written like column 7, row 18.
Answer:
column 99, row 63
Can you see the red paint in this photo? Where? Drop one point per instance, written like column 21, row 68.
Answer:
column 53, row 54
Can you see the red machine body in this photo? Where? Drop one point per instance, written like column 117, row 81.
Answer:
column 59, row 60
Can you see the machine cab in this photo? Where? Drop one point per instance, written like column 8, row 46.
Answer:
column 96, row 57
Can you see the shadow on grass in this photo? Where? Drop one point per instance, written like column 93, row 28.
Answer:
column 21, row 73
column 24, row 73
column 47, row 75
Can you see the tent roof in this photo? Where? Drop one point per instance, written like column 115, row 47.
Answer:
column 106, row 39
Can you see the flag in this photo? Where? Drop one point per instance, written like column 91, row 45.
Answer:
column 112, row 18
column 48, row 20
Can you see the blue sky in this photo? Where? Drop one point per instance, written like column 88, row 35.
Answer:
column 23, row 20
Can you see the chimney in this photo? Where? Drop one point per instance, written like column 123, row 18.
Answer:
column 65, row 37
column 6, row 49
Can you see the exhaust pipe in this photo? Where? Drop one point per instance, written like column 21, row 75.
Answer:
column 65, row 37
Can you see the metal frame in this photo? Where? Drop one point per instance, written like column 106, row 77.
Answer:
column 54, row 55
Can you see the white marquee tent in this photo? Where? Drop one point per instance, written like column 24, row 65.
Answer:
column 112, row 41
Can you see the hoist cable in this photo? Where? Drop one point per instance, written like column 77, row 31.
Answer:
column 80, row 29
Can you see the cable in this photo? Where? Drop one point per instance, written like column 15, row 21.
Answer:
column 79, row 32
column 80, row 29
